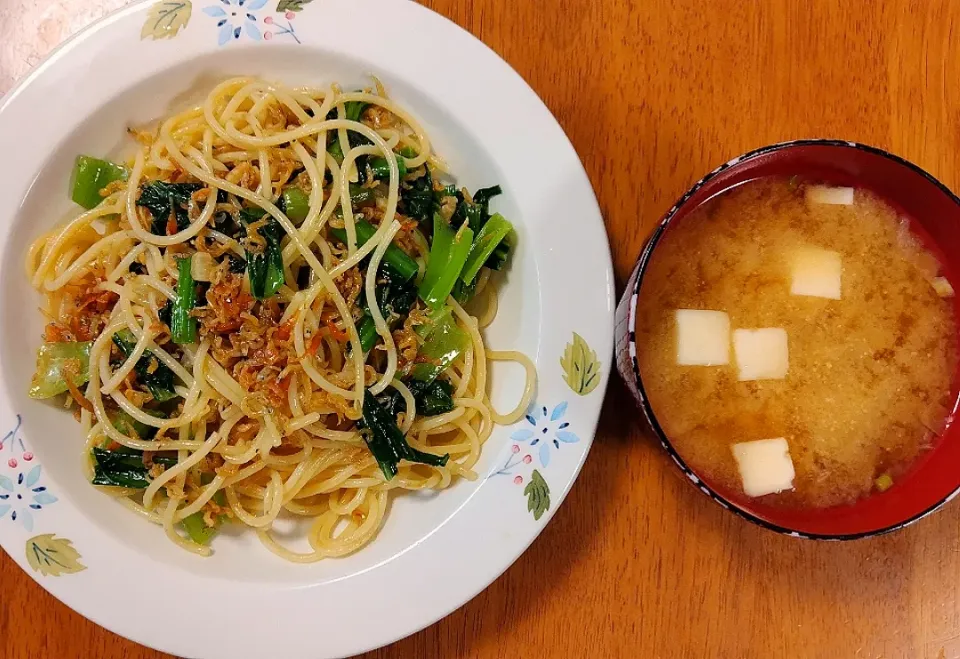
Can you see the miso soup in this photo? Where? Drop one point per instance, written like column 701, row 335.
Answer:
column 797, row 342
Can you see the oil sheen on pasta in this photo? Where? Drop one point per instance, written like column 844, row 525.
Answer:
column 870, row 375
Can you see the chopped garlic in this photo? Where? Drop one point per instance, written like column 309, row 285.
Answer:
column 823, row 194
column 765, row 466
column 703, row 337
column 816, row 273
column 942, row 287
column 762, row 354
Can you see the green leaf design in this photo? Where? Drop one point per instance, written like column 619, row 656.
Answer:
column 53, row 556
column 538, row 495
column 165, row 19
column 291, row 5
column 580, row 365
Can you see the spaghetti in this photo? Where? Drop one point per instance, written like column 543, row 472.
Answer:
column 269, row 312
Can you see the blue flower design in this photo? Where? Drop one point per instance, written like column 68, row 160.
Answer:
column 234, row 17
column 23, row 497
column 547, row 430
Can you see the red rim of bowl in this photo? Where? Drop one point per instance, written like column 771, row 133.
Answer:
column 626, row 349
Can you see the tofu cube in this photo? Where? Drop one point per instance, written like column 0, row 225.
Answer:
column 942, row 287
column 765, row 466
column 824, row 194
column 703, row 337
column 761, row 354
column 816, row 273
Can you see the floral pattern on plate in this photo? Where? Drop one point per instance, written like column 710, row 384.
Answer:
column 166, row 19
column 53, row 556
column 544, row 432
column 581, row 368
column 235, row 19
column 547, row 432
column 21, row 493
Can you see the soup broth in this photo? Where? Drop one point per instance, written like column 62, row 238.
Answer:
column 869, row 385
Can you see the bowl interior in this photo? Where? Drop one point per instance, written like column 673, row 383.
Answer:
column 935, row 477
column 56, row 436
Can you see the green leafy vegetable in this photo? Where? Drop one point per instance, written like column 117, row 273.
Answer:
column 362, row 197
column 463, row 292
column 367, row 330
column 443, row 237
column 165, row 314
column 386, row 441
column 219, row 497
column 151, row 372
column 401, row 262
column 90, row 176
column 417, row 199
column 395, row 294
column 354, row 109
column 130, row 427
column 446, row 191
column 265, row 268
column 500, row 255
column 197, row 529
column 183, row 326
column 296, row 204
column 166, row 459
column 442, row 342
column 250, row 215
column 476, row 214
column 54, row 360
column 483, row 196
column 467, row 213
column 335, row 150
column 395, row 297
column 407, row 152
column 162, row 199
column 120, row 469
column 225, row 223
column 448, row 255
column 237, row 265
column 494, row 231
column 432, row 398
column 381, row 168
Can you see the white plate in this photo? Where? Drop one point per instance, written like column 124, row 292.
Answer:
column 434, row 552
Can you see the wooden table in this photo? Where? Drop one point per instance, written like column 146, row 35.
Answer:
column 654, row 93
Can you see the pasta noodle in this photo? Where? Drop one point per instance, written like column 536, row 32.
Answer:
column 283, row 215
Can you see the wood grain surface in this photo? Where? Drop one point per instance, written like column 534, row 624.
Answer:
column 636, row 563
